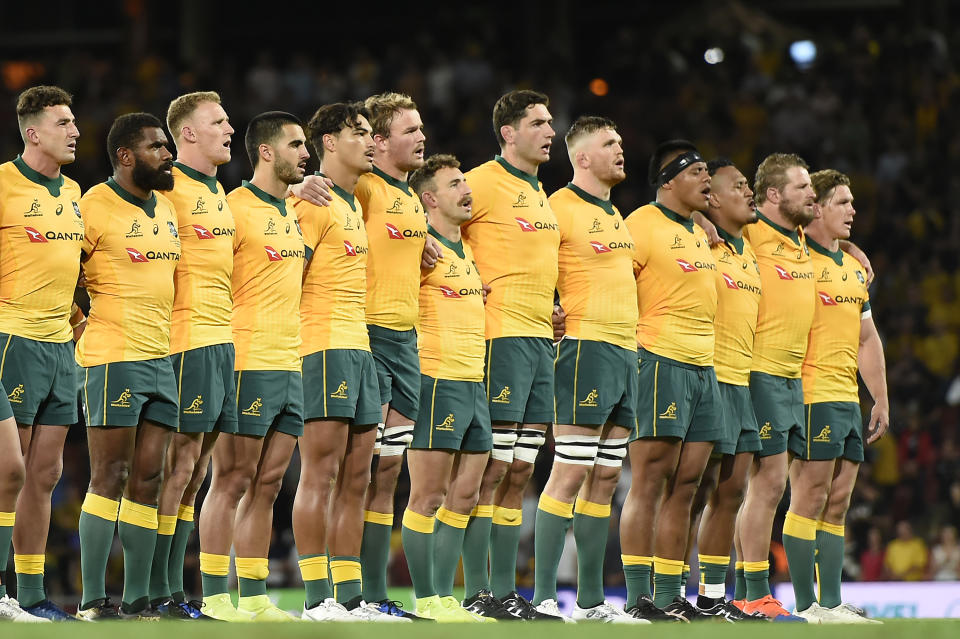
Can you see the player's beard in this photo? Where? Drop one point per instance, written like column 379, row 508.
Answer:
column 798, row 214
column 148, row 178
column 288, row 173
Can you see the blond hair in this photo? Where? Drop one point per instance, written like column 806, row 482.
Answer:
column 383, row 108
column 772, row 173
column 184, row 106
column 825, row 181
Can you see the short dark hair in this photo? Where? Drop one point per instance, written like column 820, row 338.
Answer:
column 35, row 99
column 127, row 130
column 718, row 163
column 825, row 181
column 664, row 153
column 332, row 118
column 585, row 125
column 422, row 179
column 264, row 129
column 512, row 106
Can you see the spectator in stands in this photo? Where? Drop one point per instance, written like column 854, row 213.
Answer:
column 906, row 557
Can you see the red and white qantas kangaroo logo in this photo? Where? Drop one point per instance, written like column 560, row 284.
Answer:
column 599, row 248
column 348, row 248
column 782, row 272
column 202, row 233
column 448, row 292
column 525, row 226
column 136, row 256
column 35, row 235
column 686, row 266
column 826, row 300
column 729, row 281
column 272, row 254
column 394, row 232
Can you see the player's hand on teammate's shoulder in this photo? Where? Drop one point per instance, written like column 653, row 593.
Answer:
column 559, row 320
column 315, row 189
column 431, row 253
column 857, row 253
column 708, row 227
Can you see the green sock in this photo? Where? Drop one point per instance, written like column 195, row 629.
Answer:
column 683, row 579
column 178, row 550
column 637, row 575
column 30, row 589
column 799, row 544
column 829, row 563
column 159, row 582
column 375, row 554
column 417, row 536
column 476, row 548
column 739, row 583
column 314, row 569
column 251, row 587
column 96, row 537
column 214, row 584
column 139, row 543
column 667, row 578
column 713, row 575
column 591, row 533
column 554, row 517
column 214, row 570
column 345, row 577
column 756, row 574
column 6, row 535
column 448, row 546
column 504, row 546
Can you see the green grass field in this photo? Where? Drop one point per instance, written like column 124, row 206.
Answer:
column 928, row 629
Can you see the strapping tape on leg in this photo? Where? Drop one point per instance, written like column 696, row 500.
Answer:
column 379, row 443
column 612, row 452
column 528, row 445
column 504, row 442
column 396, row 439
column 576, row 449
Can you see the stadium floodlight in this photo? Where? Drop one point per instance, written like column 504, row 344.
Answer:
column 803, row 52
column 713, row 55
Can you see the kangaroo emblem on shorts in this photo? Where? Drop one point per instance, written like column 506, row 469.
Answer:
column 122, row 400
column 15, row 394
column 670, row 413
column 590, row 399
column 824, row 435
column 446, row 424
column 195, row 407
column 254, row 408
column 341, row 392
column 503, row 397
column 765, row 431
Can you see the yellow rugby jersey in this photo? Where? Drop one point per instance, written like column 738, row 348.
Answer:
column 131, row 248
column 268, row 256
column 738, row 302
column 676, row 285
column 596, row 285
column 450, row 326
column 203, row 301
column 786, row 306
column 842, row 300
column 333, row 304
column 41, row 236
column 396, row 232
column 514, row 235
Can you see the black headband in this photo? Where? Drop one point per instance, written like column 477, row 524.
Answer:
column 676, row 165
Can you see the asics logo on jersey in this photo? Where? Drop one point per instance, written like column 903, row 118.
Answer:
column 15, row 394
column 525, row 226
column 670, row 413
column 254, row 409
column 195, row 407
column 272, row 254
column 59, row 209
column 35, row 235
column 766, row 431
column 598, row 248
column 521, row 202
column 449, row 292
column 782, row 272
column 686, row 266
column 341, row 392
column 136, row 256
column 824, row 436
column 825, row 299
column 393, row 231
column 201, row 232
column 590, row 400
column 446, row 424
column 503, row 397
column 729, row 281
column 123, row 400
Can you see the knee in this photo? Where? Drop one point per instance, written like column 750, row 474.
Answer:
column 427, row 504
column 181, row 473
column 388, row 468
column 356, row 479
column 110, row 479
column 233, row 482
column 729, row 496
column 520, row 474
column 493, row 476
column 46, row 479
column 13, row 476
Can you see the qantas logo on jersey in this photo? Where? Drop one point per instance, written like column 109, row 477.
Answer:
column 205, row 234
column 35, row 235
column 396, row 234
column 784, row 274
column 528, row 227
column 449, row 292
column 393, row 231
column 825, row 299
column 201, row 232
column 729, row 281
column 738, row 285
column 599, row 248
column 525, row 226
column 686, row 266
column 348, row 248
column 272, row 254
column 136, row 256
column 275, row 256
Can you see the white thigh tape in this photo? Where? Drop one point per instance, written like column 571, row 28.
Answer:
column 612, row 452
column 576, row 449
column 504, row 440
column 528, row 445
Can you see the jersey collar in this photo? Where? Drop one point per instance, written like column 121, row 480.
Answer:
column 685, row 222
column 278, row 204
column 735, row 242
column 399, row 184
column 346, row 197
column 515, row 172
column 456, row 247
column 148, row 206
column 52, row 185
column 836, row 256
column 793, row 235
column 210, row 181
column 606, row 205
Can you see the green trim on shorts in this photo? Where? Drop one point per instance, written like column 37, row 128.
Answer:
column 341, row 383
column 595, row 383
column 831, row 430
column 740, row 431
column 42, row 378
column 778, row 406
column 269, row 399
column 398, row 368
column 676, row 399
column 127, row 393
column 518, row 379
column 207, row 390
column 453, row 416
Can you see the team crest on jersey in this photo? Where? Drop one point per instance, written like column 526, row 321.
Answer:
column 195, row 407
column 172, row 229
column 201, row 207
column 271, row 228
column 779, row 249
column 76, row 209
column 452, row 271
column 677, row 243
column 123, row 400
column 521, row 202
column 396, row 207
column 254, row 409
column 597, row 227
column 725, row 258
column 135, row 230
column 825, row 276
column 348, row 225
column 824, row 436
column 341, row 392
column 16, row 395
column 446, row 424
column 34, row 210
column 590, row 401
column 766, row 431
column 503, row 397
column 670, row 413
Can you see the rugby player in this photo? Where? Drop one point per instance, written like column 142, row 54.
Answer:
column 131, row 248
column 41, row 232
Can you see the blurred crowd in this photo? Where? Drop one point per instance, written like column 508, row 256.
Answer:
column 880, row 101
